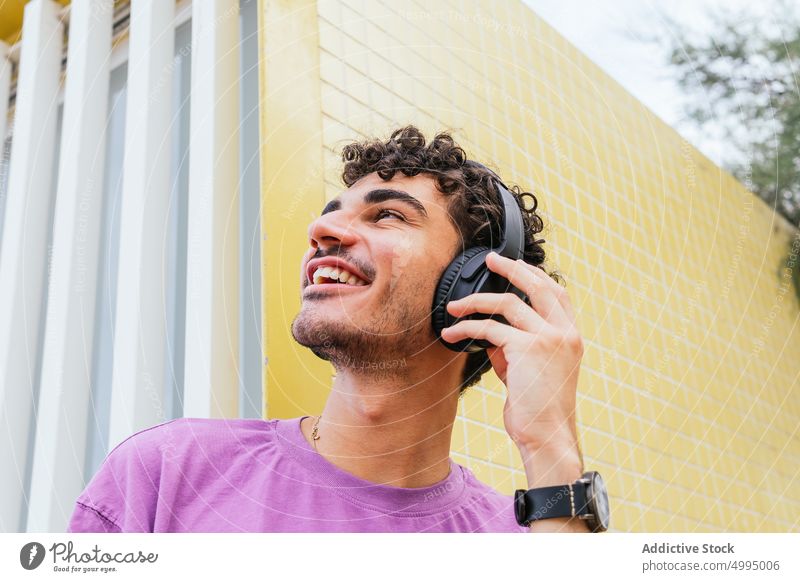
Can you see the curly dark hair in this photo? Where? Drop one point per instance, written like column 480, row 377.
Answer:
column 475, row 207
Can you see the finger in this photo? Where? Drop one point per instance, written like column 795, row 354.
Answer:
column 558, row 289
column 541, row 296
column 518, row 313
column 498, row 334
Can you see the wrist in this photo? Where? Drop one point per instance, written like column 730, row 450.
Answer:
column 556, row 462
column 544, row 433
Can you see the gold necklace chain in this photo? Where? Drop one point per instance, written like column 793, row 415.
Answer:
column 315, row 432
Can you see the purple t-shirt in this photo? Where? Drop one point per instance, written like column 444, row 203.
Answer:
column 212, row 475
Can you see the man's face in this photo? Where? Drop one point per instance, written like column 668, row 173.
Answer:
column 397, row 238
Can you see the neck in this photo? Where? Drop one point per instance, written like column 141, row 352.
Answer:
column 390, row 429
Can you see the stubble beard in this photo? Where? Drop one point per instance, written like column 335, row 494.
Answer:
column 378, row 344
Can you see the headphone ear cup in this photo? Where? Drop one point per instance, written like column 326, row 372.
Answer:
column 451, row 288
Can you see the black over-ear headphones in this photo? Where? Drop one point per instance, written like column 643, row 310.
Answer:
column 468, row 273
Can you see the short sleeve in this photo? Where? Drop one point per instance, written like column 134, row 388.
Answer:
column 123, row 494
column 88, row 519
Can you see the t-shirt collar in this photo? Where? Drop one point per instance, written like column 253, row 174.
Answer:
column 387, row 497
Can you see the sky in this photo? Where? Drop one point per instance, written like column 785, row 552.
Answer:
column 614, row 33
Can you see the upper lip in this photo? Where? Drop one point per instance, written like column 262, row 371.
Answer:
column 315, row 264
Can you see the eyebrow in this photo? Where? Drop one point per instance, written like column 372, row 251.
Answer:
column 382, row 195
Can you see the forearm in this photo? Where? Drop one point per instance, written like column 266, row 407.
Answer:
column 554, row 460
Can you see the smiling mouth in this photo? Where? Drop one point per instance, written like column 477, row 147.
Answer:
column 327, row 275
column 327, row 281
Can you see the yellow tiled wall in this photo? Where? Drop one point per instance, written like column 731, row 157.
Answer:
column 689, row 396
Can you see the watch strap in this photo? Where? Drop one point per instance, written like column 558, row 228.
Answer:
column 550, row 502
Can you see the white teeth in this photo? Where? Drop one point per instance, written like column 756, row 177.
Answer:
column 337, row 274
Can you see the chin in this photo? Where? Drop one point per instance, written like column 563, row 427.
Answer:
column 308, row 329
column 341, row 343
column 319, row 332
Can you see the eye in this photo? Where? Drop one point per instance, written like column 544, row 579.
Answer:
column 387, row 212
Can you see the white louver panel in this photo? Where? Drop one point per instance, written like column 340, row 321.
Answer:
column 140, row 334
column 24, row 258
column 212, row 302
column 64, row 396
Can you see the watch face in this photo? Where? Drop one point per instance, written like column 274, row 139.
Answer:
column 598, row 501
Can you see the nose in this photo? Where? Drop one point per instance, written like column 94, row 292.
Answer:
column 331, row 230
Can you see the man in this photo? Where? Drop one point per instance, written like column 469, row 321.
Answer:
column 377, row 458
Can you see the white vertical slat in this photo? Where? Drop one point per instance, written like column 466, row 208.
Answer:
column 5, row 85
column 251, row 357
column 23, row 261
column 137, row 398
column 211, row 384
column 60, row 452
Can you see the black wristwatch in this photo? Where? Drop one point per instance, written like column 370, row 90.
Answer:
column 587, row 499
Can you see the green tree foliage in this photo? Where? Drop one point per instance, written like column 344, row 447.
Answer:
column 745, row 77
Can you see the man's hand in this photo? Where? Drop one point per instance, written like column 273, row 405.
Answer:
column 537, row 356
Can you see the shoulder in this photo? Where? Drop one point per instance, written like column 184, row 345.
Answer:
column 190, row 448
column 148, row 449
column 185, row 436
column 125, row 490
